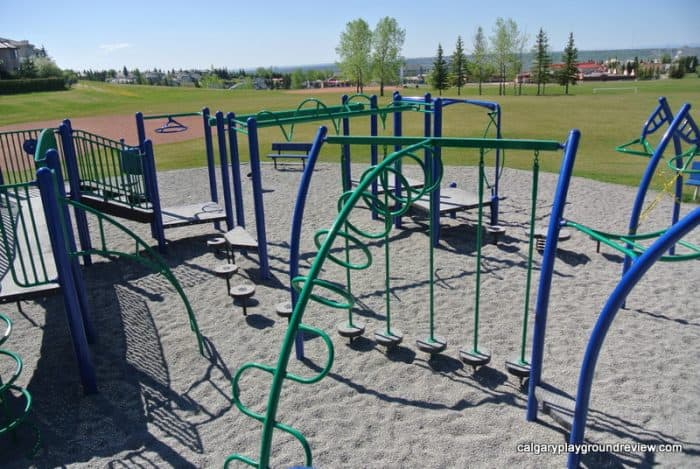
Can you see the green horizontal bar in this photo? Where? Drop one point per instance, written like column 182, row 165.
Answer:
column 450, row 142
column 164, row 116
column 312, row 115
column 266, row 115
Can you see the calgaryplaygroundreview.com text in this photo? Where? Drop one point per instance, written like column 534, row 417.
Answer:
column 585, row 448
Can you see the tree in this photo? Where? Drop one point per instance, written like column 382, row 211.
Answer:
column 387, row 40
column 480, row 62
column 569, row 72
column 439, row 76
column 507, row 41
column 27, row 69
column 541, row 61
column 298, row 79
column 125, row 72
column 354, row 51
column 45, row 67
column 459, row 65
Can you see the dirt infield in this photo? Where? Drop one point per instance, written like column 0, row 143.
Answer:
column 122, row 126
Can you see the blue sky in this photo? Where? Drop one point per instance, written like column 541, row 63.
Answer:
column 82, row 34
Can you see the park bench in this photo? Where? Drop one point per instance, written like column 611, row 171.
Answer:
column 290, row 150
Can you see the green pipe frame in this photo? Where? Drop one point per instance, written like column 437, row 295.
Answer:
column 325, row 240
column 143, row 254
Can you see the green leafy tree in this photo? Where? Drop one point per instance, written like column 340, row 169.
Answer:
column 568, row 75
column 440, row 77
column 354, row 50
column 45, row 67
column 459, row 65
column 27, row 69
column 506, row 43
column 481, row 68
column 387, row 42
column 541, row 61
column 298, row 79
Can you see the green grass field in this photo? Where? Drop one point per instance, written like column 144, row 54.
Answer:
column 606, row 117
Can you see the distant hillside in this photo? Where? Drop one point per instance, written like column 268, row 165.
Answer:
column 415, row 63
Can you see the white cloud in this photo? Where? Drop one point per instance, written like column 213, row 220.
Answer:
column 112, row 47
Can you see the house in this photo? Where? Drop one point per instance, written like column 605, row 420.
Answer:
column 12, row 53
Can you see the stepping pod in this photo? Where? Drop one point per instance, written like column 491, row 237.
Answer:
column 241, row 293
column 226, row 271
column 351, row 330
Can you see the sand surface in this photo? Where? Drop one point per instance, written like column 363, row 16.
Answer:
column 161, row 404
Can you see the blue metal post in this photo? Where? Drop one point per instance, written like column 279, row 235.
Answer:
column 373, row 151
column 68, row 145
column 211, row 170
column 257, row 197
column 398, row 131
column 547, row 269
column 606, row 317
column 140, row 129
column 494, row 190
column 223, row 156
column 52, row 163
column 151, row 184
column 345, row 158
column 235, row 168
column 436, row 157
column 66, row 280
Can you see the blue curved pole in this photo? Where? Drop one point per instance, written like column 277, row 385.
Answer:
column 209, row 148
column 297, row 222
column 547, row 269
column 649, row 174
column 606, row 317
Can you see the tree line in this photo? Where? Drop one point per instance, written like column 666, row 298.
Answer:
column 499, row 58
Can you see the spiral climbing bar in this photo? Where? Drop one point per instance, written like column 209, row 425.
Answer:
column 14, row 418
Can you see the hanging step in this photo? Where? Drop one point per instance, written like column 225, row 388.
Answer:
column 432, row 346
column 475, row 358
column 351, row 331
column 388, row 339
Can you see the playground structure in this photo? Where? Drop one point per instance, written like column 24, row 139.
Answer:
column 312, row 111
column 42, row 255
column 638, row 259
column 389, row 205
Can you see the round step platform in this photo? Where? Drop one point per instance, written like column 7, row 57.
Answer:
column 242, row 293
column 517, row 368
column 388, row 339
column 496, row 231
column 427, row 345
column 351, row 331
column 284, row 309
column 216, row 243
column 475, row 358
column 225, row 270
